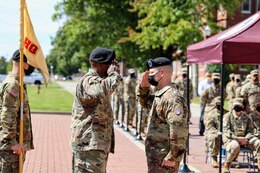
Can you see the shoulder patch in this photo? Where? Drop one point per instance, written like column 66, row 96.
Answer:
column 13, row 92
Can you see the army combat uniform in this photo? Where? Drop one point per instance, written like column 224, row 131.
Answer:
column 250, row 91
column 9, row 124
column 92, row 122
column 255, row 116
column 235, row 127
column 167, row 128
column 118, row 94
column 129, row 97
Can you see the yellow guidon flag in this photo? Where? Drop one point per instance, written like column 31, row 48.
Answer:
column 32, row 48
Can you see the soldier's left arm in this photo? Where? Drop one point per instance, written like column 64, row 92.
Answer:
column 250, row 129
column 176, row 112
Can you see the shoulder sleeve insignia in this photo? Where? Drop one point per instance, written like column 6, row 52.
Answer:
column 13, row 92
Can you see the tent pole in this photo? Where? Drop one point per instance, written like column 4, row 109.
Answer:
column 221, row 116
column 184, row 168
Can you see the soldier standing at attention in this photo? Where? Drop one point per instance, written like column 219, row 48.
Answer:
column 10, row 116
column 210, row 93
column 255, row 141
column 118, row 96
column 211, row 121
column 237, row 131
column 168, row 119
column 92, row 117
column 130, row 97
column 229, row 87
column 251, row 90
column 237, row 85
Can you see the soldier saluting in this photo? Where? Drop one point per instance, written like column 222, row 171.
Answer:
column 168, row 125
column 92, row 117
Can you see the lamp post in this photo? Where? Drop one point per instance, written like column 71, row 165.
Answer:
column 52, row 78
column 207, row 31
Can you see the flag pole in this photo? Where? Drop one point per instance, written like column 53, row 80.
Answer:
column 21, row 74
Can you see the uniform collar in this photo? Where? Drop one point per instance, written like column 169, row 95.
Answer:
column 14, row 75
column 162, row 91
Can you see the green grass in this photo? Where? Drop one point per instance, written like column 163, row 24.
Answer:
column 51, row 99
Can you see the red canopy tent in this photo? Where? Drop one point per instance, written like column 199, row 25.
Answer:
column 239, row 44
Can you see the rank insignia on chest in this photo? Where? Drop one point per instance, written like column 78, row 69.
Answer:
column 177, row 111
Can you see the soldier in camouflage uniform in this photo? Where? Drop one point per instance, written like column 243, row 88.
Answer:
column 211, row 121
column 248, row 78
column 210, row 93
column 168, row 119
column 92, row 118
column 237, row 131
column 118, row 101
column 229, row 87
column 237, row 85
column 181, row 84
column 10, row 116
column 130, row 97
column 251, row 90
column 255, row 141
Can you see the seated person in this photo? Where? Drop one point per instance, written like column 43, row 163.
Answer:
column 237, row 131
column 255, row 141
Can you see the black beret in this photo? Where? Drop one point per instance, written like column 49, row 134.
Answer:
column 16, row 56
column 102, row 55
column 157, row 62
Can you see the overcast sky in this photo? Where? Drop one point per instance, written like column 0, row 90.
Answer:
column 40, row 12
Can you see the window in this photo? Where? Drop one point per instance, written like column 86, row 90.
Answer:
column 246, row 6
column 258, row 5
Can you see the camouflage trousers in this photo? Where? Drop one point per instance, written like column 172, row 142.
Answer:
column 233, row 149
column 116, row 107
column 93, row 161
column 212, row 143
column 155, row 157
column 154, row 167
column 9, row 162
column 130, row 110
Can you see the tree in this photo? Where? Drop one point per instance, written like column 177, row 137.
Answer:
column 173, row 25
column 3, row 65
column 90, row 24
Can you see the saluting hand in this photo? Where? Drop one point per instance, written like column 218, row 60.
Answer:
column 114, row 67
column 144, row 81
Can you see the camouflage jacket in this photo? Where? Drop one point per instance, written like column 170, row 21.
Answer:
column 249, row 92
column 236, row 126
column 208, row 95
column 92, row 116
column 10, row 115
column 211, row 121
column 168, row 124
column 256, row 123
column 230, row 90
column 129, row 88
column 181, row 85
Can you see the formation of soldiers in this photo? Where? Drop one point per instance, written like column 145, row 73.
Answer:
column 241, row 122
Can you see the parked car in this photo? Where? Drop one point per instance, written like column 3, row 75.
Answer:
column 35, row 78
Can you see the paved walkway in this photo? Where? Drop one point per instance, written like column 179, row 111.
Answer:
column 52, row 152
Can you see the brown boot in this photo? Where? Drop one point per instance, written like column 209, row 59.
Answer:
column 215, row 162
column 226, row 167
